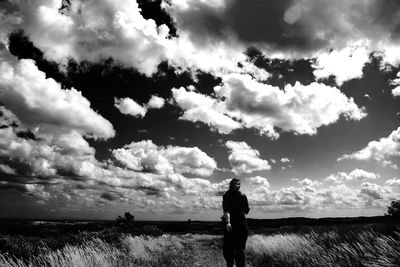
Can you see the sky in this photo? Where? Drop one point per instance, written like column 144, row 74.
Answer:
column 152, row 106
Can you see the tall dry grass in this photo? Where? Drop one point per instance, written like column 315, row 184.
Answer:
column 362, row 246
column 355, row 248
column 132, row 251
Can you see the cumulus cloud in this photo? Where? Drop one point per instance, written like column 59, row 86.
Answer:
column 371, row 192
column 385, row 151
column 213, row 37
column 396, row 83
column 155, row 102
column 43, row 128
column 355, row 175
column 258, row 180
column 299, row 108
column 394, row 182
column 129, row 107
column 344, row 64
column 245, row 159
column 96, row 30
column 47, row 158
column 291, row 196
column 309, row 185
column 202, row 108
column 242, row 102
column 40, row 101
column 396, row 91
column 319, row 198
column 146, row 156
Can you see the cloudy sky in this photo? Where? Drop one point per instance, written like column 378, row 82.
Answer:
column 152, row 106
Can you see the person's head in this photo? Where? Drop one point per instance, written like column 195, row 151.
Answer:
column 234, row 184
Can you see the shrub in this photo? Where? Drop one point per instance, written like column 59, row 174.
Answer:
column 394, row 208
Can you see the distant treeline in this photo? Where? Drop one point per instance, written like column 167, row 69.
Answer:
column 275, row 223
column 45, row 228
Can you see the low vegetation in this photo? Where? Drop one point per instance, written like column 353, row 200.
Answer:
column 338, row 245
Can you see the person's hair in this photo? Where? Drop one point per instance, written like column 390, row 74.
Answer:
column 234, row 181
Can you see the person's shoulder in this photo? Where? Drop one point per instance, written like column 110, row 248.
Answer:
column 243, row 195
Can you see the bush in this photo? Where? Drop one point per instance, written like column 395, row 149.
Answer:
column 394, row 208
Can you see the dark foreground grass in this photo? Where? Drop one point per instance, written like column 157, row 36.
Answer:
column 370, row 245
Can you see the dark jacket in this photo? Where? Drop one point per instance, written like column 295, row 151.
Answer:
column 236, row 204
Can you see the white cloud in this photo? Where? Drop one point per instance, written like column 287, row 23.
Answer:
column 299, row 108
column 291, row 196
column 146, row 156
column 7, row 169
column 285, row 160
column 345, row 64
column 258, row 74
column 316, row 199
column 245, row 159
column 40, row 101
column 258, row 180
column 96, row 30
column 46, row 158
column 396, row 83
column 213, row 37
column 129, row 107
column 156, row 102
column 242, row 102
column 357, row 174
column 396, row 91
column 338, row 196
column 384, row 151
column 198, row 107
column 308, row 182
column 56, row 119
column 394, row 182
column 371, row 192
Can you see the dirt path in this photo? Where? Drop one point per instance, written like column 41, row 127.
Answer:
column 205, row 251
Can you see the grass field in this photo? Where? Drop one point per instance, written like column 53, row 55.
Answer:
column 357, row 245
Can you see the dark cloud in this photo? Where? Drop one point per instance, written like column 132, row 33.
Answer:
column 252, row 22
column 109, row 196
column 149, row 190
column 14, row 186
column 287, row 25
column 386, row 14
column 260, row 21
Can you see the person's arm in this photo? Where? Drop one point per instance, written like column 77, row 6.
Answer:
column 228, row 221
column 227, row 216
column 246, row 205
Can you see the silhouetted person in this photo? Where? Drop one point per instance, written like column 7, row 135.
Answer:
column 235, row 206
